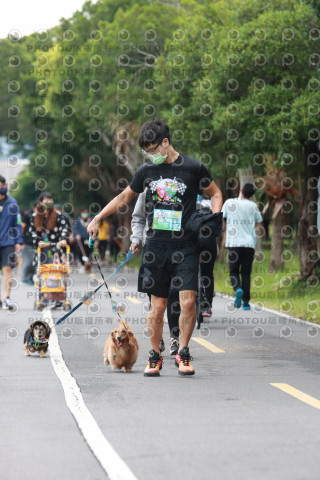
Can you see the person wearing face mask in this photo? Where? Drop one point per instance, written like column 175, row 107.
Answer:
column 48, row 225
column 11, row 239
column 82, row 238
column 170, row 256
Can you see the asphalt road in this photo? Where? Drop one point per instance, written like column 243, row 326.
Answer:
column 227, row 421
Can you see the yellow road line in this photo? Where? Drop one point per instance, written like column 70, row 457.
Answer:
column 133, row 300
column 115, row 289
column 304, row 397
column 208, row 345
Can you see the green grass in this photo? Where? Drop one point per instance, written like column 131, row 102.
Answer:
column 281, row 290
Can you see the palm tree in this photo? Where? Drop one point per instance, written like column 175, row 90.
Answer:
column 279, row 189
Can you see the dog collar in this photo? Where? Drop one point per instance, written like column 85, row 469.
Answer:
column 36, row 343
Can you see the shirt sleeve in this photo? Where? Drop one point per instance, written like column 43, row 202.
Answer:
column 138, row 223
column 257, row 214
column 63, row 227
column 224, row 210
column 33, row 232
column 16, row 225
column 136, row 183
column 205, row 178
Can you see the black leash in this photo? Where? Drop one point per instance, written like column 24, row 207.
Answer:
column 113, row 303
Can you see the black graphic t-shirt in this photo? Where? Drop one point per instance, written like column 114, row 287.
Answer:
column 172, row 191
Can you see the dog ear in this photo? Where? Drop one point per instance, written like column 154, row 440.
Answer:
column 48, row 331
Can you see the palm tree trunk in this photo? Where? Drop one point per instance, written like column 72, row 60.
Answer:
column 307, row 239
column 276, row 257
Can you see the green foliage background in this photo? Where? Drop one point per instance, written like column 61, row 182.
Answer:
column 234, row 79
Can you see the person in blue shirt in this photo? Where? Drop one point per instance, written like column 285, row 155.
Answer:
column 11, row 239
column 241, row 215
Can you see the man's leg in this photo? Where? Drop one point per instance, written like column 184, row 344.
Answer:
column 155, row 326
column 247, row 257
column 155, row 321
column 27, row 270
column 188, row 315
column 173, row 312
column 234, row 266
column 187, row 322
column 208, row 248
column 7, row 280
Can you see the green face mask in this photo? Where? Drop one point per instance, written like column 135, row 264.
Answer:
column 49, row 206
column 84, row 215
column 157, row 158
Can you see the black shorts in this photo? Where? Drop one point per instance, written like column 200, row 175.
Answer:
column 168, row 266
column 8, row 257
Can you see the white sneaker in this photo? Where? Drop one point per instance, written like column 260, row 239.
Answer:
column 7, row 304
column 174, row 346
column 162, row 346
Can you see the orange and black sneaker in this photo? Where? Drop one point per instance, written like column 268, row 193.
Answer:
column 154, row 364
column 183, row 361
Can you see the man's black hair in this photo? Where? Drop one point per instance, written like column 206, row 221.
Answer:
column 152, row 132
column 248, row 190
column 44, row 195
column 2, row 179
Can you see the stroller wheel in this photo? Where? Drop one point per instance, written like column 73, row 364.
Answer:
column 67, row 306
column 39, row 306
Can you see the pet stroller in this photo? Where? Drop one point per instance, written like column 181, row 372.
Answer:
column 52, row 282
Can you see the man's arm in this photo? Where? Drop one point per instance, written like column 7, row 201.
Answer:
column 216, row 197
column 114, row 206
column 138, row 222
column 16, row 224
column 259, row 228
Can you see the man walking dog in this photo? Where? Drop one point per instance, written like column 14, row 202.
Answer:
column 170, row 256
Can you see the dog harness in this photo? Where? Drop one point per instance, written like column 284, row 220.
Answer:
column 36, row 344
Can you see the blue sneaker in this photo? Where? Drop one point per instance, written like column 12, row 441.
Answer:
column 238, row 299
column 246, row 306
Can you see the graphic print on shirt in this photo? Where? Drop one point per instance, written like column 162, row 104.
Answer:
column 167, row 191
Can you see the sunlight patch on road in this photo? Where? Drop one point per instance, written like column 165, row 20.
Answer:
column 115, row 289
column 133, row 300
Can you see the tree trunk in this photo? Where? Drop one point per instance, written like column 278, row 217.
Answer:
column 276, row 257
column 306, row 244
column 307, row 240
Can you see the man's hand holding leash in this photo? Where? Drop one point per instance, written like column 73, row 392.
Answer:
column 93, row 227
column 134, row 248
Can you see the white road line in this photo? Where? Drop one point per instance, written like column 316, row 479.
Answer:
column 277, row 312
column 110, row 461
